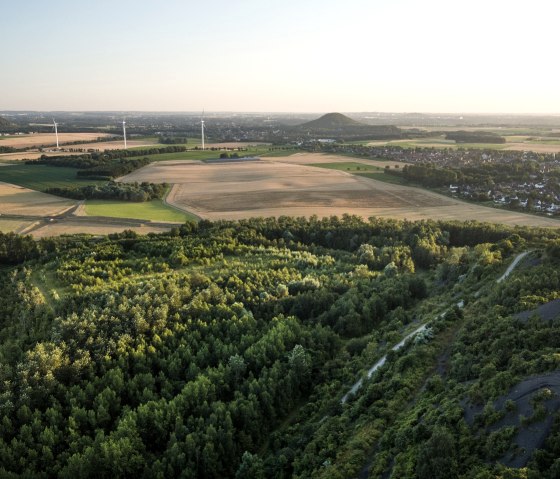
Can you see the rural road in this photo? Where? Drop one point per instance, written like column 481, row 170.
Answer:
column 358, row 384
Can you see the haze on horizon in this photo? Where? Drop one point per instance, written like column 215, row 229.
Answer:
column 312, row 56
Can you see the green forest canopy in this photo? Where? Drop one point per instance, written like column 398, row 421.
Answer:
column 223, row 350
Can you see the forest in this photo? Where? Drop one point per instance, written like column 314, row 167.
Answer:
column 462, row 136
column 113, row 191
column 223, row 349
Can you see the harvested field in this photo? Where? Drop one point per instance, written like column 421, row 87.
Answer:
column 101, row 146
column 94, row 227
column 16, row 200
column 231, row 144
column 512, row 143
column 117, row 144
column 536, row 147
column 31, row 155
column 13, row 225
column 290, row 186
column 312, row 158
column 49, row 139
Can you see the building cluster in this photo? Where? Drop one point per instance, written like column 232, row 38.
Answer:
column 521, row 180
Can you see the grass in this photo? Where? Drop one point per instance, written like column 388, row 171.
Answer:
column 209, row 154
column 367, row 171
column 350, row 167
column 380, row 176
column 155, row 210
column 41, row 177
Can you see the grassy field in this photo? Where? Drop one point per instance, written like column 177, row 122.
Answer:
column 351, row 167
column 365, row 170
column 209, row 154
column 154, row 210
column 41, row 177
column 7, row 225
column 514, row 141
column 380, row 176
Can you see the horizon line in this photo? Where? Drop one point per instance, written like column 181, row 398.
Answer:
column 289, row 112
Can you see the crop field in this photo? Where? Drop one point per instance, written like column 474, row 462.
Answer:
column 16, row 200
column 118, row 144
column 93, row 227
column 30, row 155
column 49, row 139
column 149, row 210
column 40, row 177
column 514, row 142
column 292, row 186
column 13, row 225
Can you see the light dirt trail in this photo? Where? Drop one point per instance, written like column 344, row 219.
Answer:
column 358, row 384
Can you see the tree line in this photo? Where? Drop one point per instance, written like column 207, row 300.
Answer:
column 137, row 192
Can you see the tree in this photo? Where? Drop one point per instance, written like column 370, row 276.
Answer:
column 251, row 467
column 437, row 458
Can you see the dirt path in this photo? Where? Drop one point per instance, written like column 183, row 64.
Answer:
column 512, row 266
column 358, row 384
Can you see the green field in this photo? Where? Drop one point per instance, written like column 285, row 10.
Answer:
column 209, row 154
column 380, row 176
column 154, row 210
column 348, row 166
column 41, row 177
column 367, row 171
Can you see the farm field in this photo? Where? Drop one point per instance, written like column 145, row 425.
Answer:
column 149, row 210
column 93, row 227
column 291, row 186
column 16, row 200
column 102, row 146
column 8, row 225
column 317, row 158
column 40, row 177
column 49, row 139
column 513, row 143
column 30, row 155
column 118, row 144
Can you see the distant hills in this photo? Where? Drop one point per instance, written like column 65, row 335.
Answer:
column 332, row 121
column 341, row 126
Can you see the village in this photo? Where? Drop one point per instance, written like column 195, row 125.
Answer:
column 518, row 180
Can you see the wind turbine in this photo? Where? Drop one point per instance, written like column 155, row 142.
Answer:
column 56, row 131
column 124, row 132
column 202, row 128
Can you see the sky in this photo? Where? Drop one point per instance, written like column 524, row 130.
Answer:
column 476, row 56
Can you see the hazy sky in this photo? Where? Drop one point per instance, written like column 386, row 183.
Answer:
column 288, row 55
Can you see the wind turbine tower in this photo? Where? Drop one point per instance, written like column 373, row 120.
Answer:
column 202, row 128
column 124, row 132
column 55, row 131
